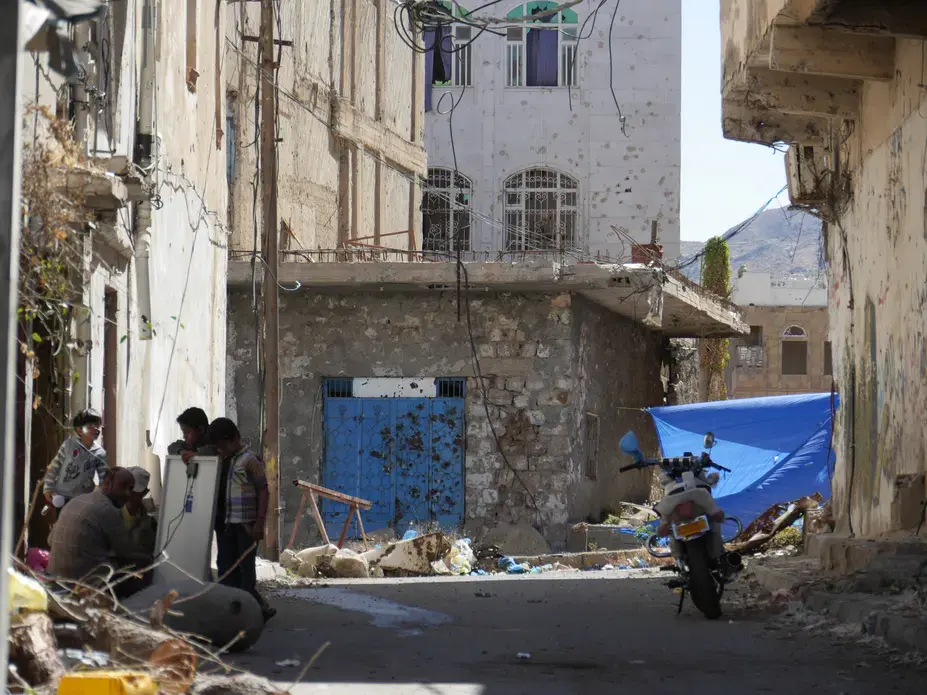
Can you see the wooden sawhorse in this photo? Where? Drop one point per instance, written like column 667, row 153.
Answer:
column 355, row 504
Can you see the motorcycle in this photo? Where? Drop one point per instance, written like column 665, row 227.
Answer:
column 691, row 521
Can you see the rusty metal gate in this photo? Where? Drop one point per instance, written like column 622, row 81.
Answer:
column 406, row 455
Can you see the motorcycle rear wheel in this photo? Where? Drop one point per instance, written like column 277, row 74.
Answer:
column 702, row 586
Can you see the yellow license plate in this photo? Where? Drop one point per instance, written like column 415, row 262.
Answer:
column 693, row 528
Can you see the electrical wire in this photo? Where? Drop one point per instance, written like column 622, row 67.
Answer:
column 179, row 518
column 611, row 70
column 730, row 234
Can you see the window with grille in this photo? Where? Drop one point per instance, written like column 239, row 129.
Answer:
column 750, row 352
column 463, row 56
column 592, row 446
column 339, row 388
column 446, row 212
column 541, row 210
column 541, row 52
column 451, row 387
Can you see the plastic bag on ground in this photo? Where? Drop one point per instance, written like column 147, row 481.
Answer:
column 509, row 565
column 461, row 558
column 25, row 593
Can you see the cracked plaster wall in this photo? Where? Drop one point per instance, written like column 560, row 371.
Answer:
column 881, row 338
column 623, row 181
column 545, row 359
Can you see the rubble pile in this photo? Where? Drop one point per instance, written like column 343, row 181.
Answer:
column 78, row 640
column 433, row 554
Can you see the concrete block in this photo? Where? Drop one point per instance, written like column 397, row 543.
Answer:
column 558, row 446
column 289, row 560
column 508, row 349
column 490, row 496
column 543, row 351
column 517, row 539
column 536, row 448
column 521, row 401
column 528, row 349
column 500, row 397
column 416, row 555
column 546, row 463
column 486, row 350
column 349, row 565
column 515, row 384
column 536, row 417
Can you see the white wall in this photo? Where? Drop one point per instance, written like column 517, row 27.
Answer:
column 624, row 181
column 762, row 289
column 183, row 364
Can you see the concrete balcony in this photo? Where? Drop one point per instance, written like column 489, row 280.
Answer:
column 793, row 71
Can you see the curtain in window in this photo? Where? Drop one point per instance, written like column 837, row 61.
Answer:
column 440, row 47
column 543, row 57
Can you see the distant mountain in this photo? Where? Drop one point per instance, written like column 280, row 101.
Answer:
column 779, row 242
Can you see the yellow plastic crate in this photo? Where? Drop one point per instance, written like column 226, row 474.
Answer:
column 107, row 683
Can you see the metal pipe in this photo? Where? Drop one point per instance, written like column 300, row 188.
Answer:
column 11, row 42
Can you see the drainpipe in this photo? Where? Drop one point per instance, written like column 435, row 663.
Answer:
column 142, row 268
column 145, row 145
column 146, row 158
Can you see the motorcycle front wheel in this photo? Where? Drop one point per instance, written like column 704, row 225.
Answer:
column 702, row 586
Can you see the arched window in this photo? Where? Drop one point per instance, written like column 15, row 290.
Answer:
column 794, row 351
column 541, row 210
column 446, row 211
column 448, row 55
column 541, row 52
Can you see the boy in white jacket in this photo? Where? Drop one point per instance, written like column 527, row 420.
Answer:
column 80, row 456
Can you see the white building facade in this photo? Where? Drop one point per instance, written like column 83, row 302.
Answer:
column 564, row 130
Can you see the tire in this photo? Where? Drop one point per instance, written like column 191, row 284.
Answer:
column 702, row 586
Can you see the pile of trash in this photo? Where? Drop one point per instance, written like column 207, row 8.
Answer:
column 77, row 639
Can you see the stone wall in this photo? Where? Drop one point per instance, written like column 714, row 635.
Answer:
column 619, row 364
column 545, row 359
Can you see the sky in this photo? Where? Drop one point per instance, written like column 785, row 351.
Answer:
column 723, row 182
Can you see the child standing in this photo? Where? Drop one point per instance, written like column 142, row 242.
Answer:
column 80, row 456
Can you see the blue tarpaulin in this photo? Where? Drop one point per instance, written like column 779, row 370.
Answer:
column 777, row 448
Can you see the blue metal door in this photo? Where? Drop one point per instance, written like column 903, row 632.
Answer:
column 405, row 455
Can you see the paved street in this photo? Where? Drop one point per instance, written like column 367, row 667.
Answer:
column 582, row 631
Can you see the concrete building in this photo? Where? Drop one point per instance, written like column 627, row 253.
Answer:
column 145, row 336
column 842, row 83
column 381, row 365
column 459, row 395
column 788, row 350
column 350, row 129
column 543, row 159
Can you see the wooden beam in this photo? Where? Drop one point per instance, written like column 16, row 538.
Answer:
column 738, row 122
column 352, row 125
column 804, row 95
column 817, row 51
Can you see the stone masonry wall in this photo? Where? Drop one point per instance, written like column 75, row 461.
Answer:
column 620, row 365
column 527, row 347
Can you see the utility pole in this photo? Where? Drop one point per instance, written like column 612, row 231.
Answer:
column 271, row 290
column 11, row 44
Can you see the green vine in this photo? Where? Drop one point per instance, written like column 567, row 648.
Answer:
column 713, row 352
